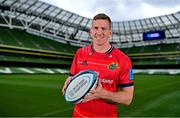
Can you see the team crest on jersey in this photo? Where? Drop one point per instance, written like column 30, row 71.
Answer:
column 112, row 66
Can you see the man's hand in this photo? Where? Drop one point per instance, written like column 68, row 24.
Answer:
column 65, row 84
column 123, row 96
column 95, row 93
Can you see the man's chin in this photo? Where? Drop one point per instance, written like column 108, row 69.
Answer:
column 100, row 44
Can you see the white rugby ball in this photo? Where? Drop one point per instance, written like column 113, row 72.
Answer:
column 80, row 85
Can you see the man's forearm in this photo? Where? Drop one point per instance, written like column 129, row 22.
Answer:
column 122, row 97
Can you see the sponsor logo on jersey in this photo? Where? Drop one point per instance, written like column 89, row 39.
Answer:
column 112, row 66
column 106, row 81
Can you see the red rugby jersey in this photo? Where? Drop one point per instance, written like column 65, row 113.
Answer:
column 113, row 69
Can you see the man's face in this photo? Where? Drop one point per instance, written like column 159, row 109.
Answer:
column 100, row 32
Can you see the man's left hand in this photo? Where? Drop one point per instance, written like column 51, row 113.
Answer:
column 96, row 93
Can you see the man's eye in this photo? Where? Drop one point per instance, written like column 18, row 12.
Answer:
column 96, row 28
column 103, row 29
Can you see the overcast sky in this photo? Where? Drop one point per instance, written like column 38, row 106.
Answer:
column 119, row 10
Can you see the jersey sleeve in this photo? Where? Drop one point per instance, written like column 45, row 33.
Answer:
column 73, row 69
column 126, row 73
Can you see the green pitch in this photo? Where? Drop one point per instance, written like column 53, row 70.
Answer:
column 40, row 96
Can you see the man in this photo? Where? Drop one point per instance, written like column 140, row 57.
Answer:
column 114, row 70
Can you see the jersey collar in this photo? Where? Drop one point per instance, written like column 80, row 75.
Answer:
column 107, row 52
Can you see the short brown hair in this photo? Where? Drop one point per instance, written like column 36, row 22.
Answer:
column 102, row 16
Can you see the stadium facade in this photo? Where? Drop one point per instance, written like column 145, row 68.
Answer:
column 150, row 42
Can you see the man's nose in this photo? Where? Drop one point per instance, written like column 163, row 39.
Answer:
column 99, row 31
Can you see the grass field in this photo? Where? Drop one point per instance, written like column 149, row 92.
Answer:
column 39, row 95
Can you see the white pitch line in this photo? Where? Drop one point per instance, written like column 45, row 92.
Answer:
column 54, row 112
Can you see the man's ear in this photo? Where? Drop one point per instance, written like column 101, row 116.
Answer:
column 90, row 32
column 110, row 34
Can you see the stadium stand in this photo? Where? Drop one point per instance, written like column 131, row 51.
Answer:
column 38, row 42
column 39, row 34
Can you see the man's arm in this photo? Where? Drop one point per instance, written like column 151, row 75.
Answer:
column 123, row 96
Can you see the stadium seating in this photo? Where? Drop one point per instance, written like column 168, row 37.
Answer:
column 21, row 41
column 20, row 38
column 19, row 46
column 42, row 37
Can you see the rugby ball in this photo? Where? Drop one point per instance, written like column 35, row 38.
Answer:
column 80, row 85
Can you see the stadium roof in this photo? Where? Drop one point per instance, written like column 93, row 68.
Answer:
column 50, row 21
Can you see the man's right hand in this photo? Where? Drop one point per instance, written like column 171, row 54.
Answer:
column 65, row 84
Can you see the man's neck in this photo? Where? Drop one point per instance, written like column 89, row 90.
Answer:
column 102, row 48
